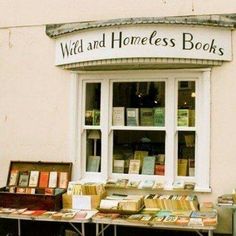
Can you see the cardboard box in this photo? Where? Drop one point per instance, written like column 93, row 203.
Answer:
column 18, row 194
column 87, row 202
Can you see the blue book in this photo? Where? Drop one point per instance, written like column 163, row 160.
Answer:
column 148, row 165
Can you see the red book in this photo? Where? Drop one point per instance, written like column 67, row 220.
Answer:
column 43, row 179
column 159, row 169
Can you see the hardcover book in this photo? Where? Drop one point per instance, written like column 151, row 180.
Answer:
column 182, row 167
column 132, row 116
column 119, row 166
column 183, row 117
column 159, row 169
column 34, row 177
column 13, row 179
column 23, row 179
column 63, row 180
column 134, row 166
column 159, row 116
column 43, row 179
column 93, row 163
column 146, row 116
column 139, row 155
column 52, row 179
column 118, row 116
column 148, row 165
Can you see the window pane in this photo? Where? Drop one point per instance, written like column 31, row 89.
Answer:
column 92, row 108
column 93, row 150
column 186, row 103
column 139, row 152
column 186, row 153
column 138, row 104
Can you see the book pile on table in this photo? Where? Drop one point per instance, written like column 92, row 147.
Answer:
column 226, row 199
column 64, row 214
column 172, row 202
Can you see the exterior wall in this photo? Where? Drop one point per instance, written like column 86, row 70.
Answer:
column 35, row 96
column 29, row 12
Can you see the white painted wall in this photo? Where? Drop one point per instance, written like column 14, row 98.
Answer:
column 32, row 12
column 35, row 96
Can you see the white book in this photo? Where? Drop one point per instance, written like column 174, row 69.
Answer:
column 34, row 178
column 52, row 179
column 118, row 116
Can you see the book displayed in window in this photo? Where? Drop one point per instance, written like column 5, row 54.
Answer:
column 182, row 167
column 52, row 183
column 139, row 155
column 34, row 178
column 183, row 117
column 134, row 166
column 92, row 117
column 119, row 166
column 159, row 169
column 148, row 165
column 43, row 179
column 146, row 116
column 96, row 117
column 118, row 116
column 23, row 178
column 159, row 116
column 93, row 163
column 132, row 116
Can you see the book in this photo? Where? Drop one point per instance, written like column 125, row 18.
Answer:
column 88, row 117
column 23, row 178
column 170, row 219
column 63, row 180
column 13, row 179
column 159, row 169
column 118, row 166
column 159, row 116
column 191, row 167
column 183, row 117
column 133, row 183
column 34, row 178
column 182, row 167
column 132, row 116
column 148, row 165
column 147, row 183
column 189, row 185
column 96, row 117
column 52, row 183
column 43, row 179
column 118, row 116
column 93, row 163
column 134, row 166
column 146, row 116
column 178, row 185
column 139, row 155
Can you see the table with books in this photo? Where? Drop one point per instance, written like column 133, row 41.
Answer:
column 229, row 201
column 170, row 212
column 76, row 218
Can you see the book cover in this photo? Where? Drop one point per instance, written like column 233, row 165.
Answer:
column 43, row 179
column 119, row 166
column 182, row 167
column 63, row 180
column 52, row 183
column 159, row 116
column 96, row 117
column 34, row 177
column 139, row 155
column 147, row 183
column 159, row 169
column 146, row 116
column 93, row 163
column 132, row 116
column 88, row 117
column 183, row 117
column 23, row 178
column 118, row 116
column 134, row 166
column 13, row 179
column 148, row 165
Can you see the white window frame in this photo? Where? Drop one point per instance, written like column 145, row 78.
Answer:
column 171, row 77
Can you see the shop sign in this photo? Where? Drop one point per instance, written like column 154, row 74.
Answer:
column 145, row 41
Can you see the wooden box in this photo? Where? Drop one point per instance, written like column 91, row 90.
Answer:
column 35, row 185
